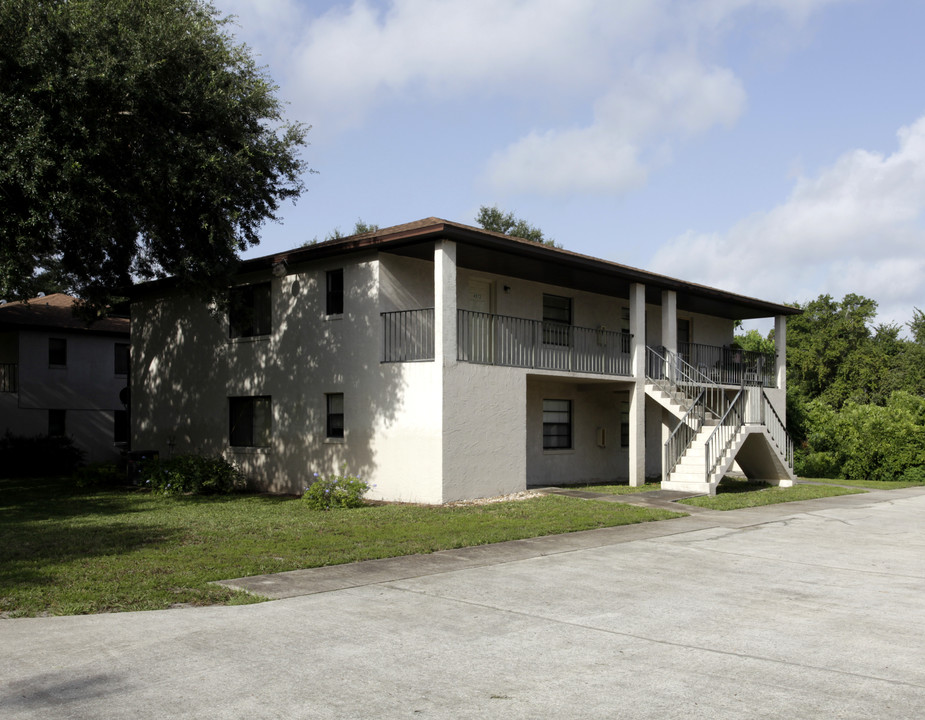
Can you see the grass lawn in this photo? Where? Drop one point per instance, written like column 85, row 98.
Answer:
column 869, row 484
column 69, row 551
column 615, row 488
column 735, row 493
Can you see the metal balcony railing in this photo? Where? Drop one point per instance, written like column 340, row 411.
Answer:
column 490, row 339
column 408, row 335
column 9, row 377
column 731, row 366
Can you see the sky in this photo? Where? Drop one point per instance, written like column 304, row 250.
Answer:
column 774, row 148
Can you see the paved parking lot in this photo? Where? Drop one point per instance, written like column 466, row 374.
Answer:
column 806, row 610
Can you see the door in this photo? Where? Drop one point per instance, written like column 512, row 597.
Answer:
column 480, row 324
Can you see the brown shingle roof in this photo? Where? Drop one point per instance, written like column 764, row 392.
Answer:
column 56, row 311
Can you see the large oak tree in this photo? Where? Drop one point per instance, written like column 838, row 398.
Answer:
column 137, row 140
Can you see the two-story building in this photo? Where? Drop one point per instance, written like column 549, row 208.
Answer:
column 440, row 362
column 61, row 376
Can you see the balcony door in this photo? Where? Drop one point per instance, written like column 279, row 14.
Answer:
column 480, row 297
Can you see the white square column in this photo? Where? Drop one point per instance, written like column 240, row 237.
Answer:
column 445, row 339
column 637, row 448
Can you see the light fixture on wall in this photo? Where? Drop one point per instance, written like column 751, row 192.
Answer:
column 507, row 289
column 279, row 268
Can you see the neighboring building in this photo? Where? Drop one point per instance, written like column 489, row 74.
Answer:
column 59, row 376
column 440, row 362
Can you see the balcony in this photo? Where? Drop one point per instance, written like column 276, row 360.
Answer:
column 9, row 378
column 489, row 339
column 731, row 366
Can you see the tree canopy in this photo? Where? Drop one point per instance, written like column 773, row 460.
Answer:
column 139, row 141
column 493, row 219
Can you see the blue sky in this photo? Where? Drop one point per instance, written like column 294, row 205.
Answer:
column 770, row 147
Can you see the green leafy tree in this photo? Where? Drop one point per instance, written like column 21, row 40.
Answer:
column 138, row 141
column 360, row 227
column 753, row 341
column 917, row 326
column 493, row 219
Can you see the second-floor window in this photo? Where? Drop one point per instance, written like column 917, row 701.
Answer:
column 249, row 311
column 557, row 319
column 334, row 299
column 57, row 352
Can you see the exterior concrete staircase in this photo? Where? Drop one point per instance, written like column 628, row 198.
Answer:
column 715, row 430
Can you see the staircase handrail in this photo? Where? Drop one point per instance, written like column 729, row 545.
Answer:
column 724, row 433
column 777, row 430
column 683, row 434
column 677, row 374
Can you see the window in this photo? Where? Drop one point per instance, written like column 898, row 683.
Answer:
column 249, row 421
column 624, row 424
column 557, row 317
column 557, row 424
column 334, row 304
column 249, row 310
column 57, row 352
column 335, row 415
column 120, row 426
column 120, row 359
column 56, row 427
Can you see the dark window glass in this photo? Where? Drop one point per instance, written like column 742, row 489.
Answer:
column 335, row 415
column 120, row 358
column 120, row 427
column 249, row 421
column 56, row 426
column 334, row 304
column 557, row 317
column 57, row 351
column 557, row 424
column 624, row 424
column 249, row 311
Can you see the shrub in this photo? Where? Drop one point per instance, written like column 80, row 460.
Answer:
column 37, row 456
column 191, row 474
column 335, row 491
column 100, row 475
column 914, row 475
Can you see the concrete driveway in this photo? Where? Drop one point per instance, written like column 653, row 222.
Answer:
column 806, row 610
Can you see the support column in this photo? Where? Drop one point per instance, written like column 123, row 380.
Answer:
column 780, row 345
column 445, row 340
column 637, row 448
column 670, row 321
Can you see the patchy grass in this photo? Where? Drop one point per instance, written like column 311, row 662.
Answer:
column 69, row 551
column 618, row 487
column 869, row 484
column 735, row 494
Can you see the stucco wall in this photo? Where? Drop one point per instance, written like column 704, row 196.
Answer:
column 87, row 389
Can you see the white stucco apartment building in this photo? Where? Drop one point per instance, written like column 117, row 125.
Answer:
column 61, row 376
column 441, row 362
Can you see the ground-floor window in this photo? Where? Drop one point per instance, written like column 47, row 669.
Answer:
column 249, row 421
column 557, row 424
column 120, row 426
column 335, row 415
column 624, row 424
column 56, row 427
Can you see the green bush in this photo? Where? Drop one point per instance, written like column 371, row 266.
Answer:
column 342, row 490
column 100, row 475
column 38, row 456
column 191, row 474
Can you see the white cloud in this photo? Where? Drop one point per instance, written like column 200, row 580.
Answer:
column 856, row 227
column 652, row 104
column 610, row 87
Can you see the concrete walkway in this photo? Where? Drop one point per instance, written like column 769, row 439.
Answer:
column 806, row 610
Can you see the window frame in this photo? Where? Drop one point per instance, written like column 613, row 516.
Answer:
column 549, row 424
column 57, row 352
column 624, row 423
column 557, row 331
column 250, row 310
column 334, row 427
column 334, row 292
column 57, row 422
column 245, row 429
